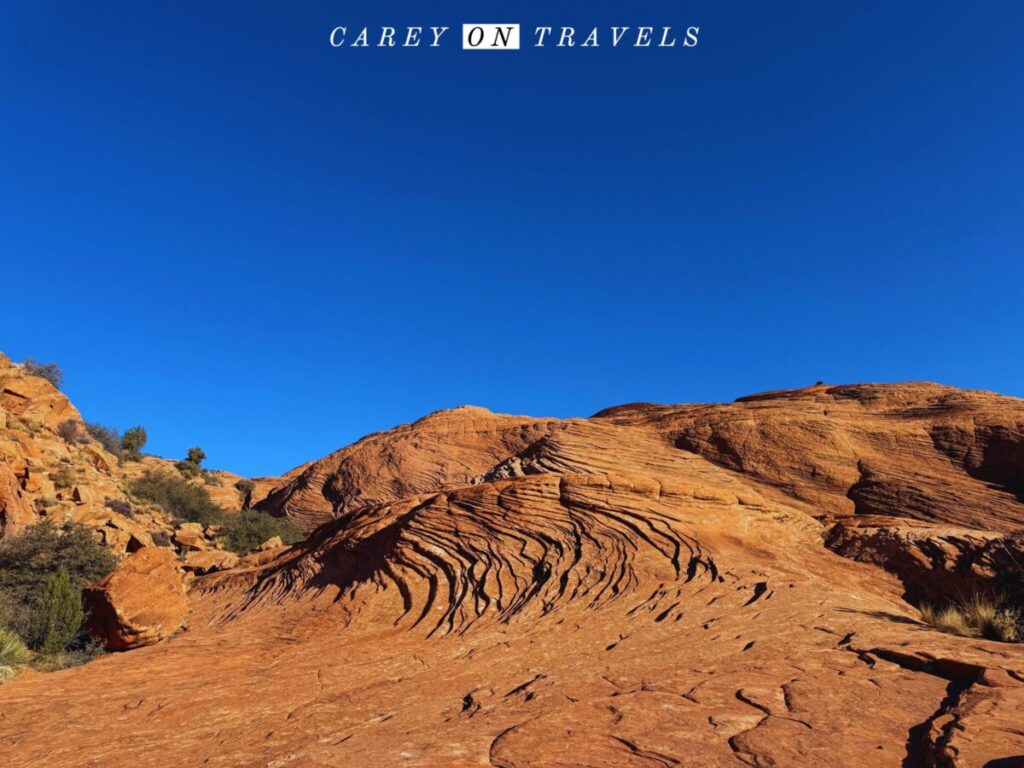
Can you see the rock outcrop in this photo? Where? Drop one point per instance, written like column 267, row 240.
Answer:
column 140, row 603
column 710, row 585
column 44, row 476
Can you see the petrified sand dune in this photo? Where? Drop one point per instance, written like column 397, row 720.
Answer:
column 648, row 587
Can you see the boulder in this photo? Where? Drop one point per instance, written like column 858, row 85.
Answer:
column 209, row 561
column 272, row 543
column 99, row 458
column 189, row 536
column 140, row 603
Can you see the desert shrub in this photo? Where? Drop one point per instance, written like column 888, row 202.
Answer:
column 949, row 619
column 161, row 538
column 177, row 497
column 212, row 478
column 63, row 478
column 133, row 440
column 975, row 617
column 120, row 506
column 43, row 503
column 49, row 371
column 29, row 559
column 70, row 432
column 81, row 650
column 13, row 655
column 192, row 465
column 187, row 469
column 58, row 615
column 244, row 532
column 108, row 437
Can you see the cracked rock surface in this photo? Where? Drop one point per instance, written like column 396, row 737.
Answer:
column 648, row 587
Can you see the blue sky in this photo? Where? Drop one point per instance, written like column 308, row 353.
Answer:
column 225, row 230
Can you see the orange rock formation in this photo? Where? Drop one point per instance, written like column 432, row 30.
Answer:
column 653, row 586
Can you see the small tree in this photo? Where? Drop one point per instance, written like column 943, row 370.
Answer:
column 29, row 558
column 49, row 371
column 59, row 615
column 133, row 440
column 192, row 465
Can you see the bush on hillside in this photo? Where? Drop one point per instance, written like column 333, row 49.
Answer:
column 120, row 506
column 212, row 478
column 108, row 437
column 63, row 478
column 58, row 616
column 244, row 532
column 29, row 559
column 70, row 432
column 177, row 497
column 192, row 465
column 187, row 469
column 49, row 371
column 133, row 440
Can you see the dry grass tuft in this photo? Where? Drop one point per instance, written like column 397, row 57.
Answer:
column 976, row 617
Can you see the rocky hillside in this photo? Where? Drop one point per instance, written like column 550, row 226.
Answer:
column 51, row 469
column 705, row 585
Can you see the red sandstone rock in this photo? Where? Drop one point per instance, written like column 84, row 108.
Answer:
column 15, row 512
column 142, row 602
column 209, row 561
column 650, row 586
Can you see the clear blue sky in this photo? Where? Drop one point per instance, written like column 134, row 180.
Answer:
column 225, row 230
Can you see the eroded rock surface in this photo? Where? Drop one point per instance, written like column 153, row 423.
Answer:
column 649, row 587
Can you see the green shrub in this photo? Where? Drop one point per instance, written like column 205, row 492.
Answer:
column 13, row 655
column 245, row 531
column 192, row 465
column 49, row 371
column 187, row 469
column 58, row 616
column 177, row 497
column 108, row 437
column 29, row 559
column 63, row 478
column 133, row 440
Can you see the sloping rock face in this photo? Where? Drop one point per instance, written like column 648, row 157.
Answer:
column 628, row 590
column 44, row 477
column 442, row 448
column 15, row 512
column 140, row 603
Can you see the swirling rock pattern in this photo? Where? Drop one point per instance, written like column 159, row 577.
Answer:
column 649, row 587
